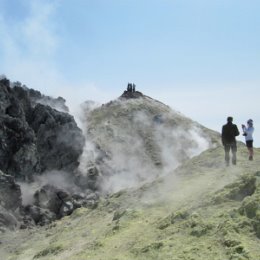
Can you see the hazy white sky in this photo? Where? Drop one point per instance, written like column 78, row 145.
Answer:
column 200, row 57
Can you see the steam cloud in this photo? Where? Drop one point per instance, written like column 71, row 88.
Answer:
column 132, row 148
column 59, row 179
column 140, row 146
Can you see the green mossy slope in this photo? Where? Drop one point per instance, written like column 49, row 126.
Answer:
column 203, row 210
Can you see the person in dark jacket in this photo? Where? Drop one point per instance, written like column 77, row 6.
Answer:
column 229, row 133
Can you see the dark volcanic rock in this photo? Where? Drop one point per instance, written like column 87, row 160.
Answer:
column 59, row 140
column 18, row 155
column 38, row 215
column 35, row 137
column 7, row 220
column 10, row 193
column 10, row 201
column 61, row 203
column 51, row 198
column 129, row 94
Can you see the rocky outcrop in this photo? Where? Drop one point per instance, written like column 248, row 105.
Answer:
column 52, row 203
column 10, row 202
column 35, row 137
column 10, row 192
column 58, row 134
column 7, row 220
column 130, row 94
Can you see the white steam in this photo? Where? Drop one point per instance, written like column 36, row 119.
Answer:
column 59, row 179
column 2, row 76
column 28, row 190
column 90, row 153
column 141, row 145
column 130, row 146
column 55, row 103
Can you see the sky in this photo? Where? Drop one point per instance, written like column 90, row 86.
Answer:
column 200, row 57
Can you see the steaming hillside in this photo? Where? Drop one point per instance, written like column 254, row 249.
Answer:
column 149, row 184
column 203, row 210
column 140, row 139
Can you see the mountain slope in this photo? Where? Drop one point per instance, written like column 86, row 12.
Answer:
column 160, row 190
column 202, row 210
column 140, row 139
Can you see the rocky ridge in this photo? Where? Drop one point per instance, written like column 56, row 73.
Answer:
column 37, row 139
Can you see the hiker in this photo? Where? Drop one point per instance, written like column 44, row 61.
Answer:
column 248, row 134
column 229, row 133
column 128, row 87
column 133, row 87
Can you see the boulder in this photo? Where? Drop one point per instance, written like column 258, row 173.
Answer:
column 10, row 193
column 7, row 220
column 51, row 198
column 10, row 202
column 39, row 215
column 35, row 137
column 59, row 141
column 62, row 203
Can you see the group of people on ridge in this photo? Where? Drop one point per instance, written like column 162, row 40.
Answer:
column 131, row 87
column 229, row 133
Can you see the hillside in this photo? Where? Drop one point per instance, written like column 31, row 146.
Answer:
column 141, row 181
column 203, row 210
column 135, row 140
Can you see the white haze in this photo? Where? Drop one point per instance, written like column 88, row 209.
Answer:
column 136, row 145
column 59, row 179
column 131, row 162
column 2, row 76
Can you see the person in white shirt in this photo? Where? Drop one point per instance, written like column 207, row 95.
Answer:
column 248, row 133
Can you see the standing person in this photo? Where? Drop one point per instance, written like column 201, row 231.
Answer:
column 248, row 133
column 229, row 133
column 130, row 87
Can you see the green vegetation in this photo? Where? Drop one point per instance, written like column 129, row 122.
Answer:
column 203, row 210
column 51, row 250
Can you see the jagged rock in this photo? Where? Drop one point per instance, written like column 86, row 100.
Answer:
column 91, row 179
column 88, row 199
column 59, row 141
column 39, row 215
column 51, row 198
column 18, row 156
column 129, row 94
column 10, row 193
column 16, row 136
column 7, row 220
column 62, row 203
column 55, row 103
column 66, row 209
column 10, row 201
column 35, row 137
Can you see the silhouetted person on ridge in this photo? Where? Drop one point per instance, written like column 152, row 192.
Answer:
column 229, row 133
column 128, row 87
column 133, row 87
column 248, row 134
